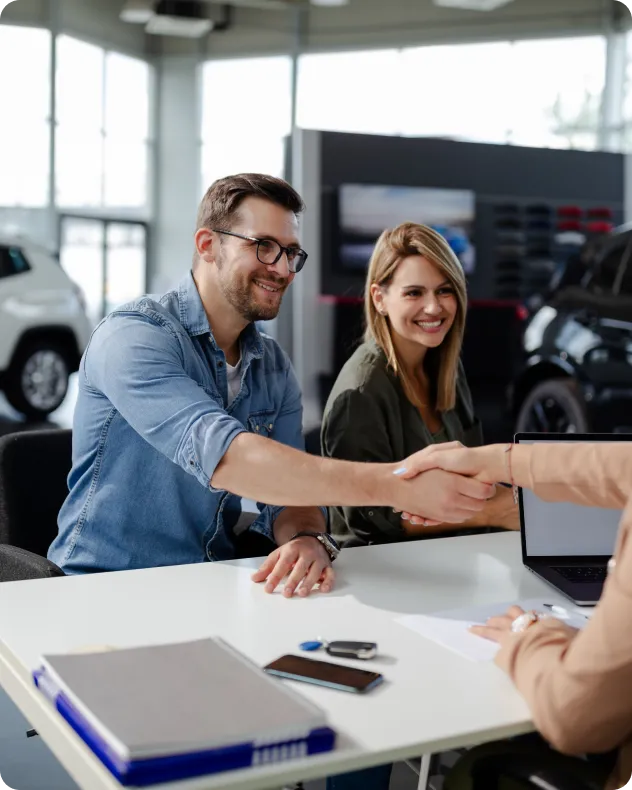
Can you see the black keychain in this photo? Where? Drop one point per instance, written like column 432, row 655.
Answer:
column 343, row 649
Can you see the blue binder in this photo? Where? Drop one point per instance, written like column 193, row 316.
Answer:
column 153, row 770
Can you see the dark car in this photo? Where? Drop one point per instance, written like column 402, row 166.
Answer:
column 577, row 371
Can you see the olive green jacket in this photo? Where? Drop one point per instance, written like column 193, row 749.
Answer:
column 369, row 418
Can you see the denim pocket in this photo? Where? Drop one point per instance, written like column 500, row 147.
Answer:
column 262, row 423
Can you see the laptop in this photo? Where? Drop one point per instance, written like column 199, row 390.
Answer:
column 566, row 545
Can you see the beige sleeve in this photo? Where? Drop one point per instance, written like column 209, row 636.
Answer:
column 597, row 474
column 579, row 684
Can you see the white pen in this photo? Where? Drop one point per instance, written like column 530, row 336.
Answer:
column 560, row 611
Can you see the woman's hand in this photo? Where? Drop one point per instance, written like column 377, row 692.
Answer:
column 498, row 629
column 484, row 463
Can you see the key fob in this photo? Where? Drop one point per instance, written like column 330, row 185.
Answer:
column 364, row 650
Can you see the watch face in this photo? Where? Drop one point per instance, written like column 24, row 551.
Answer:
column 331, row 543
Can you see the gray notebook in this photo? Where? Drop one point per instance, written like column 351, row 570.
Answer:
column 179, row 698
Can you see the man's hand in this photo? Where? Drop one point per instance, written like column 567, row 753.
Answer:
column 445, row 497
column 306, row 562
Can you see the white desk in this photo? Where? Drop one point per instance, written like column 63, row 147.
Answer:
column 432, row 698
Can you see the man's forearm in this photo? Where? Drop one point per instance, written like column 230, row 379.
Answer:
column 293, row 519
column 265, row 471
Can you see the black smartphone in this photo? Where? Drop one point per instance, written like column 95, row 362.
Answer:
column 324, row 673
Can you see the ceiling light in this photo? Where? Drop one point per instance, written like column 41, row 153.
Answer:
column 473, row 5
column 138, row 12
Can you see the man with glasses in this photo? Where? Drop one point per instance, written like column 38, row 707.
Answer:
column 185, row 410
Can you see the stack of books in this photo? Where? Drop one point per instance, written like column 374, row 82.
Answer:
column 168, row 712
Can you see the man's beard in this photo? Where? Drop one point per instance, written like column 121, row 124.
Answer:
column 241, row 297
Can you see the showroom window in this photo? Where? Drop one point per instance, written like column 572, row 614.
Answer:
column 351, row 92
column 102, row 127
column 246, row 114
column 542, row 93
column 557, row 90
column 25, row 127
column 455, row 91
column 627, row 103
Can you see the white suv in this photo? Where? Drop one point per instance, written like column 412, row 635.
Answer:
column 43, row 328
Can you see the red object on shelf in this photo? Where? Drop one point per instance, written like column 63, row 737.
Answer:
column 570, row 225
column 599, row 227
column 599, row 212
column 570, row 211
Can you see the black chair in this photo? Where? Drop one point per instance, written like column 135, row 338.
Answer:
column 524, row 771
column 34, row 466
column 19, row 565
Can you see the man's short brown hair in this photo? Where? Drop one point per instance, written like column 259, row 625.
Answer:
column 223, row 198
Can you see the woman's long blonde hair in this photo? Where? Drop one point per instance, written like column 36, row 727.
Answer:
column 391, row 248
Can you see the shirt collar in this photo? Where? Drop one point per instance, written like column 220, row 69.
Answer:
column 193, row 319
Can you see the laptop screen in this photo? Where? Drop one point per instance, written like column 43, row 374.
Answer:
column 560, row 529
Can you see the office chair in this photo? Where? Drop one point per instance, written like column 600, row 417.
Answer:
column 19, row 565
column 34, row 466
column 524, row 771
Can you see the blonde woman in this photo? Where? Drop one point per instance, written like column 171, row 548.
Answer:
column 404, row 388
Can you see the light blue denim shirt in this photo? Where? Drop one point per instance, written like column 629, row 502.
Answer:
column 151, row 425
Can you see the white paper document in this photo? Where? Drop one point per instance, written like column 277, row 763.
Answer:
column 450, row 628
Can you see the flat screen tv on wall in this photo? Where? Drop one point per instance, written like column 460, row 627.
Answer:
column 365, row 210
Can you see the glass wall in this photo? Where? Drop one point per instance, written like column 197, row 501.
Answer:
column 626, row 132
column 107, row 260
column 102, row 127
column 542, row 93
column 102, row 123
column 100, row 153
column 25, row 126
column 246, row 114
column 351, row 92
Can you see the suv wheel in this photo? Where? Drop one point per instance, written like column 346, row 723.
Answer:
column 37, row 381
column 553, row 406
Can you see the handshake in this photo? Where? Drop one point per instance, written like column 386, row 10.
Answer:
column 453, row 484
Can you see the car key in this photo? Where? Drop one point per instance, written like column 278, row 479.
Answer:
column 343, row 649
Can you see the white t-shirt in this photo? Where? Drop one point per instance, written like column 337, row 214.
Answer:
column 248, row 508
column 233, row 379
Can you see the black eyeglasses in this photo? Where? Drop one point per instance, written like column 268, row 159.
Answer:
column 269, row 251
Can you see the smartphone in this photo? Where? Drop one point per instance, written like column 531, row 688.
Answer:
column 324, row 673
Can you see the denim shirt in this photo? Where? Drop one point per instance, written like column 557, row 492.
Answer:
column 150, row 427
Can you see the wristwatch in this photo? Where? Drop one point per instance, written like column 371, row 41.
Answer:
column 328, row 543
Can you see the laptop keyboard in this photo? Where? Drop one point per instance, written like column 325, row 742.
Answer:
column 583, row 574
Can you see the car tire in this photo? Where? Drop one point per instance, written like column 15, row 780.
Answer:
column 553, row 406
column 37, row 380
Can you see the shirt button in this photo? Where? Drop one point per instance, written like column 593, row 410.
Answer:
column 220, row 364
column 371, row 513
